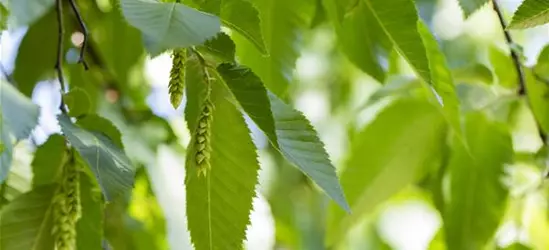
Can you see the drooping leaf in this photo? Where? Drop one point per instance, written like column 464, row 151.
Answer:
column 221, row 47
column 360, row 38
column 281, row 24
column 98, row 124
column 37, row 53
column 399, row 20
column 443, row 87
column 26, row 222
column 252, row 96
column 109, row 164
column 48, row 161
column 471, row 6
column 78, row 101
column 477, row 196
column 542, row 67
column 538, row 97
column 504, row 69
column 18, row 117
column 169, row 25
column 529, row 14
column 26, row 12
column 89, row 228
column 473, row 73
column 299, row 143
column 219, row 203
column 389, row 154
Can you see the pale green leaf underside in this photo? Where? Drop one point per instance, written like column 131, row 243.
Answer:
column 299, row 143
column 18, row 117
column 386, row 156
column 471, row 6
column 26, row 222
column 219, row 204
column 281, row 24
column 530, row 13
column 110, row 165
column 398, row 19
column 169, row 25
column 442, row 82
column 477, row 195
column 26, row 12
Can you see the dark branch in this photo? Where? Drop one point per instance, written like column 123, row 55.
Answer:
column 84, row 32
column 59, row 62
column 514, row 55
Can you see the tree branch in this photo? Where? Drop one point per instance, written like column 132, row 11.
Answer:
column 59, row 62
column 85, row 32
column 518, row 64
column 514, row 55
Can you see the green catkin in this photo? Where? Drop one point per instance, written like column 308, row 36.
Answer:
column 67, row 209
column 177, row 77
column 202, row 141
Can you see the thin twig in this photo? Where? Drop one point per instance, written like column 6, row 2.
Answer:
column 59, row 62
column 84, row 32
column 514, row 55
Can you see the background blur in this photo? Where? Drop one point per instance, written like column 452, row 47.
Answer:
column 339, row 99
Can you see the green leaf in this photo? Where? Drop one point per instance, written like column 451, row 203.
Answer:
column 252, row 96
column 4, row 14
column 299, row 143
column 362, row 40
column 169, row 25
column 37, row 53
column 109, row 164
column 386, row 156
column 221, row 47
column 504, row 68
column 471, row 6
column 26, row 12
column 282, row 21
column 78, row 101
column 89, row 228
column 477, row 196
column 529, row 14
column 18, row 116
column 98, row 124
column 538, row 96
column 240, row 16
column 26, row 222
column 219, row 203
column 443, row 87
column 473, row 73
column 542, row 67
column 48, row 161
column 402, row 31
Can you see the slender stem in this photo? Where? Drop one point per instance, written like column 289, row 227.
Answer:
column 510, row 43
column 85, row 32
column 59, row 62
column 518, row 65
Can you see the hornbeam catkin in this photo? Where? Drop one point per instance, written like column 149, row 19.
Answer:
column 66, row 209
column 202, row 137
column 177, row 77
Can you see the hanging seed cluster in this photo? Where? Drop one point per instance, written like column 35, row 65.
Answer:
column 177, row 77
column 66, row 209
column 202, row 142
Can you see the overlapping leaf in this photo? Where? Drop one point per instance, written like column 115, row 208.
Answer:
column 503, row 68
column 386, row 156
column 219, row 203
column 26, row 222
column 111, row 167
column 48, row 161
column 281, row 23
column 287, row 129
column 399, row 20
column 537, row 92
column 477, row 195
column 89, row 228
column 530, row 13
column 169, row 25
column 19, row 117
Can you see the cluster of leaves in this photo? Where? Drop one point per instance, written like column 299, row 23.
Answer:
column 424, row 134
